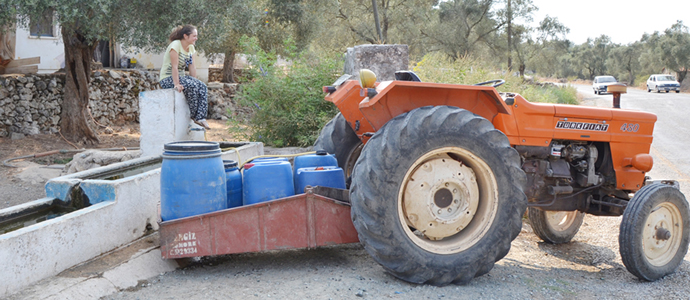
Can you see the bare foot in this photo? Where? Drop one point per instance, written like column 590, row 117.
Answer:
column 202, row 123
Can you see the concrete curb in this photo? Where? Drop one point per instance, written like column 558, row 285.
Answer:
column 119, row 270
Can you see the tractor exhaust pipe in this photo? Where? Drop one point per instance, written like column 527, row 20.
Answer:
column 560, row 190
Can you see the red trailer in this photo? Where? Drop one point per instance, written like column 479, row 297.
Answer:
column 319, row 217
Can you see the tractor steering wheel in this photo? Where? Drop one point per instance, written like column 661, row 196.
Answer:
column 496, row 82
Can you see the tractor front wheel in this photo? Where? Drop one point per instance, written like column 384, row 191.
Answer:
column 555, row 227
column 437, row 196
column 654, row 232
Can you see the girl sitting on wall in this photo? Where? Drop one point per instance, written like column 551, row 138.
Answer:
column 181, row 50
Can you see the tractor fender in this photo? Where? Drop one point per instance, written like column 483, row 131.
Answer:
column 397, row 97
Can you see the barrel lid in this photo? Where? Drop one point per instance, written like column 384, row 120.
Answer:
column 229, row 164
column 191, row 146
column 321, row 152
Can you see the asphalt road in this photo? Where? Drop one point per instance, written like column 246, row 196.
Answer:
column 671, row 145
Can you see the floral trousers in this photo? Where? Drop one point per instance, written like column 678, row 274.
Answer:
column 194, row 91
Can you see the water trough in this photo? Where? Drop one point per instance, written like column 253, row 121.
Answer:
column 85, row 215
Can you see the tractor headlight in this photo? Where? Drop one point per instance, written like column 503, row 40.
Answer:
column 367, row 78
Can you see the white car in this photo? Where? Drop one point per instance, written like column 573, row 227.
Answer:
column 601, row 83
column 662, row 82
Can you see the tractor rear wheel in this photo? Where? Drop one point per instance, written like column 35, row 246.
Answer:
column 654, row 232
column 437, row 196
column 555, row 227
column 338, row 138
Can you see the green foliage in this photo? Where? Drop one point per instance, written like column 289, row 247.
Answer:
column 590, row 57
column 62, row 160
column 436, row 67
column 141, row 24
column 222, row 32
column 550, row 94
column 623, row 62
column 463, row 27
column 286, row 101
column 641, row 81
column 675, row 49
column 345, row 23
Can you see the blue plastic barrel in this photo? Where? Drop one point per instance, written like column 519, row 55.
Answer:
column 233, row 181
column 266, row 181
column 321, row 176
column 320, row 159
column 192, row 179
column 268, row 159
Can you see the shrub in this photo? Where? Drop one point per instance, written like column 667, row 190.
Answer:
column 287, row 102
column 435, row 67
column 641, row 81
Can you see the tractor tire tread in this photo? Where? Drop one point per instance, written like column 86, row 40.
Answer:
column 634, row 218
column 375, row 174
column 338, row 138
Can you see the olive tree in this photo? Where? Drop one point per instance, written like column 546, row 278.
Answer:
column 545, row 47
column 145, row 24
column 221, row 33
column 674, row 49
column 624, row 61
column 591, row 55
column 515, row 33
column 462, row 26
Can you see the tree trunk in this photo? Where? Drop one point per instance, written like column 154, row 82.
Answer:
column 522, row 70
column 681, row 75
column 228, row 70
column 78, row 56
column 510, row 37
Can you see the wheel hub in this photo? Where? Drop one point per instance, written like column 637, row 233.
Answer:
column 662, row 234
column 561, row 220
column 441, row 197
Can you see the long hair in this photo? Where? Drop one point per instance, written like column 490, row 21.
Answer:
column 180, row 31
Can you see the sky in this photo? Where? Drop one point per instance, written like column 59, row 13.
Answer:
column 623, row 21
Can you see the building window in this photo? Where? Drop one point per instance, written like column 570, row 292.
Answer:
column 44, row 25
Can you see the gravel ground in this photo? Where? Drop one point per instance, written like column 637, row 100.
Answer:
column 588, row 267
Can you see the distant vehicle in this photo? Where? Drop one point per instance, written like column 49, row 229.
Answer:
column 662, row 82
column 601, row 83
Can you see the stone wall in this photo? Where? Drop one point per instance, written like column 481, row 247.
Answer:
column 221, row 100
column 31, row 104
column 383, row 60
column 216, row 74
column 114, row 94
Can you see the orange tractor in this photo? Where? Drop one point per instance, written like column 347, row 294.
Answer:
column 440, row 176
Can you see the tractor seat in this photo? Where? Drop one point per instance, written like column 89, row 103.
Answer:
column 406, row 76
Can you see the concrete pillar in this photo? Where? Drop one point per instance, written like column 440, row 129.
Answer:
column 164, row 117
column 384, row 60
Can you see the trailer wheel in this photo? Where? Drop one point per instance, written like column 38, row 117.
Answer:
column 654, row 232
column 555, row 227
column 437, row 196
column 338, row 138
